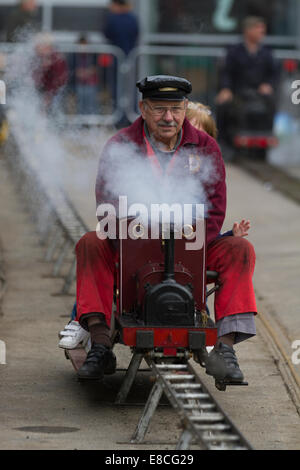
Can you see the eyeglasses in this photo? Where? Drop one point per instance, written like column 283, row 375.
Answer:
column 161, row 110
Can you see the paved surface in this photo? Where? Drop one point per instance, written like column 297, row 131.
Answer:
column 293, row 171
column 275, row 234
column 43, row 406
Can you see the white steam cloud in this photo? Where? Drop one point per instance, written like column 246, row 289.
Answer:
column 129, row 173
column 68, row 158
column 62, row 156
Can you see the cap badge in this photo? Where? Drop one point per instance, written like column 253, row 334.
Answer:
column 168, row 89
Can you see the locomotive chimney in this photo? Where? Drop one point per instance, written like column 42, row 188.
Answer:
column 169, row 255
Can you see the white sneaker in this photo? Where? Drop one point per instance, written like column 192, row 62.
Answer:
column 72, row 335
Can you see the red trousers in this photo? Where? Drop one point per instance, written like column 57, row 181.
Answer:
column 232, row 257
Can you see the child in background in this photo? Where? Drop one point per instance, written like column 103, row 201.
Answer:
column 200, row 116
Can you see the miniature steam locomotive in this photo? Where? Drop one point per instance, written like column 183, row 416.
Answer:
column 161, row 294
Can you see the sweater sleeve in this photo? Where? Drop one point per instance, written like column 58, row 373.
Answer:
column 228, row 70
column 271, row 69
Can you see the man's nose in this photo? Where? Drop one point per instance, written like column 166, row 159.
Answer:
column 168, row 115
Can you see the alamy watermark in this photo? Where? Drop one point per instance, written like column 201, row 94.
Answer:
column 152, row 221
column 296, row 93
column 296, row 353
column 2, row 352
column 2, row 92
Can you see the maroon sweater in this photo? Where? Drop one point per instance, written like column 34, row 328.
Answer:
column 193, row 142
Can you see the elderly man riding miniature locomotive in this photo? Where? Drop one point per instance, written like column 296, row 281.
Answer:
column 164, row 139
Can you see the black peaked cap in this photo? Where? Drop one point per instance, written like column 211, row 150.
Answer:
column 164, row 87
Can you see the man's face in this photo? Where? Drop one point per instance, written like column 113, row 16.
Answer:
column 164, row 119
column 29, row 5
column 44, row 50
column 256, row 33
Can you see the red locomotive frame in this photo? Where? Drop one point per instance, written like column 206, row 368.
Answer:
column 142, row 264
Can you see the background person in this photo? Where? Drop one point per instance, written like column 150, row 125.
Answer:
column 23, row 15
column 249, row 71
column 50, row 72
column 121, row 29
column 86, row 80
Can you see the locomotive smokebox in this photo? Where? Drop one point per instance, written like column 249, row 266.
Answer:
column 169, row 303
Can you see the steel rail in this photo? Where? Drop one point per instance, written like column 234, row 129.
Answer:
column 203, row 421
column 279, row 179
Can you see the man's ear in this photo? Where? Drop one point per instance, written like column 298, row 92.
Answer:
column 142, row 109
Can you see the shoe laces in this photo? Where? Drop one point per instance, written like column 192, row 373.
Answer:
column 230, row 357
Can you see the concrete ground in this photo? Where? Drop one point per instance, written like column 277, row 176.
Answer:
column 293, row 171
column 275, row 234
column 43, row 406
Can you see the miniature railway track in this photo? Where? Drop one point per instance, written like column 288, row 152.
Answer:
column 56, row 219
column 204, row 424
column 278, row 179
column 203, row 421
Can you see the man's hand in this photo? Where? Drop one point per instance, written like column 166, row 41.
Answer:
column 241, row 229
column 265, row 89
column 224, row 96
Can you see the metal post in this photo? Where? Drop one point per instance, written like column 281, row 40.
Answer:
column 47, row 230
column 61, row 256
column 47, row 17
column 69, row 278
column 52, row 246
column 148, row 412
column 184, row 440
column 129, row 378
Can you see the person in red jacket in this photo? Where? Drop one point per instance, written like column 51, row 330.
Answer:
column 50, row 72
column 164, row 140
